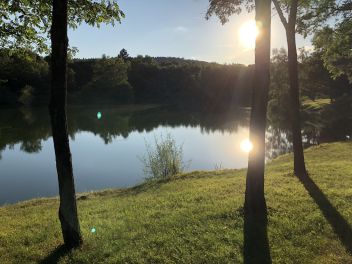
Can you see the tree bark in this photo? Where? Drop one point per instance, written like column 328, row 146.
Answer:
column 57, row 108
column 256, row 245
column 255, row 174
column 299, row 164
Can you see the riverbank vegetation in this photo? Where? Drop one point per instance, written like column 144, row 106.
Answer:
column 197, row 218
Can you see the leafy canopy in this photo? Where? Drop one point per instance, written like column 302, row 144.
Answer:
column 26, row 23
column 310, row 13
column 335, row 42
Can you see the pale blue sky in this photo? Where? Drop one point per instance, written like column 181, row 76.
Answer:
column 174, row 28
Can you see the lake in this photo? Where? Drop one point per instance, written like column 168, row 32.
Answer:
column 107, row 144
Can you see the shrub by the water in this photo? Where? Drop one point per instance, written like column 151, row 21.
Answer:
column 164, row 159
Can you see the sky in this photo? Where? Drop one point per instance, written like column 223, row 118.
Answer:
column 174, row 28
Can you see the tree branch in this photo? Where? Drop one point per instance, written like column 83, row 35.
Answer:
column 281, row 14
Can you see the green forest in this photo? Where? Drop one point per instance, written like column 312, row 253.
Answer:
column 185, row 84
column 25, row 80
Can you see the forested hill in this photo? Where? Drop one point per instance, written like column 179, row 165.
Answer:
column 189, row 84
column 25, row 80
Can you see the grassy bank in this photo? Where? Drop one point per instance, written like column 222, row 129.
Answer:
column 197, row 218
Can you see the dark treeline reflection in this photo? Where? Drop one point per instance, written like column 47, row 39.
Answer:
column 29, row 126
column 320, row 124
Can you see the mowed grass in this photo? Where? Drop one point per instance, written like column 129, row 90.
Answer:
column 193, row 218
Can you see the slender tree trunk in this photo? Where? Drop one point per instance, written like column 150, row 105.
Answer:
column 68, row 209
column 255, row 175
column 256, row 245
column 299, row 164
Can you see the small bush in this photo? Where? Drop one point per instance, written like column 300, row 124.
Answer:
column 164, row 159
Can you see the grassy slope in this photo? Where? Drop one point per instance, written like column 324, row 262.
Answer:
column 195, row 218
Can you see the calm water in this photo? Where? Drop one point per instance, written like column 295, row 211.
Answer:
column 106, row 151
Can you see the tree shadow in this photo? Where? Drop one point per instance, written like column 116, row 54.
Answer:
column 340, row 226
column 256, row 244
column 55, row 255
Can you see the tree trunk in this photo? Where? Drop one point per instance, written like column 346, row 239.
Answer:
column 68, row 209
column 256, row 246
column 255, row 174
column 299, row 164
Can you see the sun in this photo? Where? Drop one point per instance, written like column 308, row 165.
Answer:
column 246, row 145
column 248, row 34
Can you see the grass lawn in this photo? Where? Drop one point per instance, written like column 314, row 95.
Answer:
column 197, row 218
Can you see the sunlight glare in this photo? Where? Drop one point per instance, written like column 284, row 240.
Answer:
column 246, row 145
column 248, row 34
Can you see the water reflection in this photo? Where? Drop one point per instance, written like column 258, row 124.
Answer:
column 105, row 147
column 30, row 126
column 105, row 151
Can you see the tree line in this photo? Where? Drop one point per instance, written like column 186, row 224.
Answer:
column 197, row 85
column 25, row 80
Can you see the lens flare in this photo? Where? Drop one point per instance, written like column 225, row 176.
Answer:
column 248, row 34
column 99, row 115
column 246, row 145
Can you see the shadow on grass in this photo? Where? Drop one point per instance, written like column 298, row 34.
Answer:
column 56, row 255
column 340, row 226
column 256, row 244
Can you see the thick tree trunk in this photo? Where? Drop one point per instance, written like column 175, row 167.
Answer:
column 299, row 164
column 256, row 246
column 255, row 174
column 68, row 209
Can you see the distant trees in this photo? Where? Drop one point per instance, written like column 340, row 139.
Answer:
column 278, row 109
column 123, row 55
column 192, row 84
column 109, row 82
column 20, row 70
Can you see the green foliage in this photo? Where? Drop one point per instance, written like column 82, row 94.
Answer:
column 109, row 82
column 191, row 84
column 315, row 80
column 187, row 83
column 25, row 23
column 335, row 45
column 21, row 68
column 124, row 55
column 317, row 87
column 223, row 9
column 195, row 218
column 311, row 14
column 164, row 159
column 278, row 110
